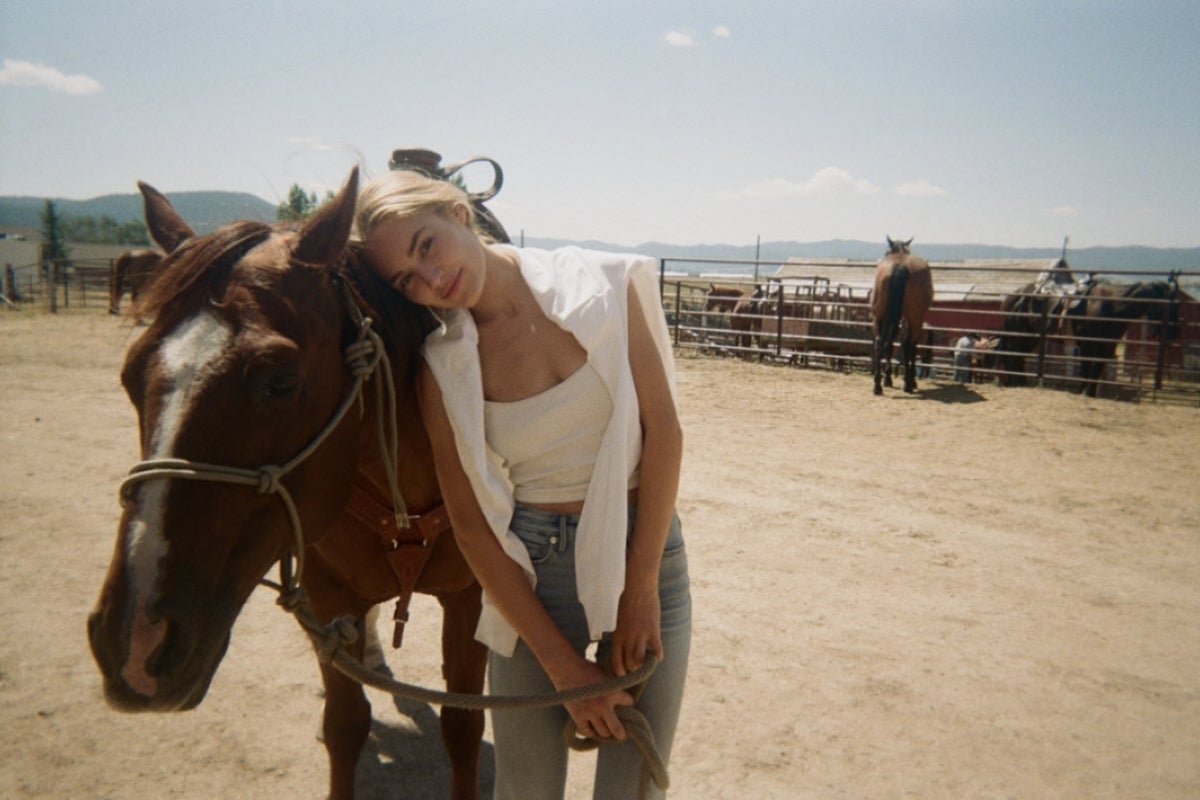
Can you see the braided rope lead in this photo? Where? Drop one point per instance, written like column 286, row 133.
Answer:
column 330, row 640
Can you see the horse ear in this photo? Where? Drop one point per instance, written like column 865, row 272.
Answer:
column 162, row 220
column 323, row 238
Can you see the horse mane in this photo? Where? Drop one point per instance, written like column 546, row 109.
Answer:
column 402, row 323
column 202, row 263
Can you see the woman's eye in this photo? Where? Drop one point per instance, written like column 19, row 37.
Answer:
column 426, row 246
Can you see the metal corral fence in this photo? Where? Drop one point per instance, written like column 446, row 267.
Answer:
column 79, row 282
column 816, row 313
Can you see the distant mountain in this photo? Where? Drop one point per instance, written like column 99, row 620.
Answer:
column 204, row 211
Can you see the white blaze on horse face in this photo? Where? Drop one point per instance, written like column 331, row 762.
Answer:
column 186, row 357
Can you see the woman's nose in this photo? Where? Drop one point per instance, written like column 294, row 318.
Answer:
column 431, row 274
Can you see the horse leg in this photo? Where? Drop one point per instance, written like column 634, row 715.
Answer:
column 464, row 664
column 888, row 344
column 908, row 357
column 876, row 354
column 346, row 724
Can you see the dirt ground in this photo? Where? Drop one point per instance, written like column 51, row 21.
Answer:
column 971, row 592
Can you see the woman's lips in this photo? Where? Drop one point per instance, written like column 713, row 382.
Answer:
column 453, row 287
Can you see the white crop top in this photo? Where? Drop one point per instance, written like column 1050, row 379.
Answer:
column 549, row 441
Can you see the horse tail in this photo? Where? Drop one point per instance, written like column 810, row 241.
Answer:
column 895, row 302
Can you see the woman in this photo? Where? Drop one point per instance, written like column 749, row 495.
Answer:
column 548, row 393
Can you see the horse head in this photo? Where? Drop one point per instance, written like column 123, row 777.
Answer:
column 239, row 373
column 899, row 247
column 1161, row 305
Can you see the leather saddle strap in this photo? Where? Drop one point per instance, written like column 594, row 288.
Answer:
column 407, row 549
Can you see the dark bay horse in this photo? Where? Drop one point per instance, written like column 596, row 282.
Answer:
column 130, row 270
column 255, row 349
column 1029, row 315
column 902, row 295
column 1102, row 316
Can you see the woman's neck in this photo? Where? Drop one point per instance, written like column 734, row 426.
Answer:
column 503, row 287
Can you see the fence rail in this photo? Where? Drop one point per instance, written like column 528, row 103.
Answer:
column 810, row 319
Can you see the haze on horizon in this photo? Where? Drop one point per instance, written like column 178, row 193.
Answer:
column 1012, row 123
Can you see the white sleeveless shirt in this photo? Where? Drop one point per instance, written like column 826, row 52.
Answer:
column 549, row 441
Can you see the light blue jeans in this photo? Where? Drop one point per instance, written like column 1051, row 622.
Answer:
column 531, row 757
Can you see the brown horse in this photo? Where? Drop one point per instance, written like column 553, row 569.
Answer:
column 903, row 293
column 744, row 310
column 1103, row 315
column 130, row 269
column 256, row 347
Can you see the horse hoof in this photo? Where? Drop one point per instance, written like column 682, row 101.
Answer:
column 878, row 389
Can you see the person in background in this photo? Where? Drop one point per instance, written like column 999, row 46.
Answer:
column 962, row 357
column 548, row 393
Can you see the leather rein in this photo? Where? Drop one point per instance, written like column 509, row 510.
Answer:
column 363, row 356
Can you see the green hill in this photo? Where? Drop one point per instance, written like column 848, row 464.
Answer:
column 204, row 211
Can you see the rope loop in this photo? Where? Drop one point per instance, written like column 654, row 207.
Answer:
column 292, row 600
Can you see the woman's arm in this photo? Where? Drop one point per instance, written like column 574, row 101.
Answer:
column 504, row 580
column 639, row 628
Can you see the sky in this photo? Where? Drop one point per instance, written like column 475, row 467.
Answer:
column 1008, row 122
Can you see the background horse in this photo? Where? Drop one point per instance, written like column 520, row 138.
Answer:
column 1104, row 314
column 132, row 268
column 903, row 293
column 744, row 310
column 242, row 365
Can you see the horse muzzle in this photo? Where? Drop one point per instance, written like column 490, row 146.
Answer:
column 152, row 665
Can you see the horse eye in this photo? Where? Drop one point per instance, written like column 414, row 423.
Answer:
column 281, row 386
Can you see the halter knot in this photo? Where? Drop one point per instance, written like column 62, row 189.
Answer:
column 342, row 631
column 363, row 355
column 268, row 479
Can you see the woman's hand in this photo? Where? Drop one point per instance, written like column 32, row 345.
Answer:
column 639, row 629
column 595, row 718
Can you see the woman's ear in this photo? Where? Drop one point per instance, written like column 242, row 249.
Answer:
column 462, row 214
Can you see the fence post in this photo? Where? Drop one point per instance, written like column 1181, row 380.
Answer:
column 779, row 322
column 1041, row 359
column 678, row 310
column 1161, row 358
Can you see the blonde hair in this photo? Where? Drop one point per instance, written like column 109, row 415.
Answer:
column 399, row 194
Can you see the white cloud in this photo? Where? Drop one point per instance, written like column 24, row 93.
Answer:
column 920, row 189
column 39, row 76
column 825, row 182
column 1064, row 211
column 679, row 39
column 721, row 32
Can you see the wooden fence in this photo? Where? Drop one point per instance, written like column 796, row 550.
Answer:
column 76, row 283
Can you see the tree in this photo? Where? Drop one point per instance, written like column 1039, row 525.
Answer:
column 54, row 242
column 54, row 250
column 300, row 205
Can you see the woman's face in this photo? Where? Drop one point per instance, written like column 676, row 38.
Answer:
column 434, row 259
